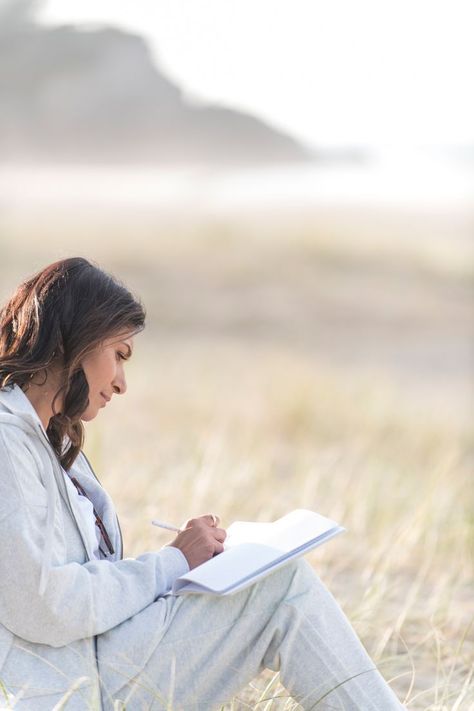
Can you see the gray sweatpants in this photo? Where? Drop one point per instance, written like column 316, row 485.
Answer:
column 195, row 652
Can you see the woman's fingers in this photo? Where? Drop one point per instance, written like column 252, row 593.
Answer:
column 199, row 540
column 220, row 534
column 213, row 519
column 209, row 519
column 219, row 548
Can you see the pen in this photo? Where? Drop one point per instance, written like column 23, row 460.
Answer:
column 162, row 524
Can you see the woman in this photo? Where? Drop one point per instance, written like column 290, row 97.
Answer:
column 80, row 625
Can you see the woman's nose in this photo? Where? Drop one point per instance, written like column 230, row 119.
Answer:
column 120, row 384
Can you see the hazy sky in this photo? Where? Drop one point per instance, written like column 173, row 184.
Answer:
column 332, row 72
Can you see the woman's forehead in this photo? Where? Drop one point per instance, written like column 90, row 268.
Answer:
column 125, row 337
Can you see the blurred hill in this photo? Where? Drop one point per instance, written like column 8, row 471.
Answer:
column 70, row 94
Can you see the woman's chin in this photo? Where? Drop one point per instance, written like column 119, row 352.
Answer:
column 89, row 415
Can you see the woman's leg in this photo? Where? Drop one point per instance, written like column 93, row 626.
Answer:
column 210, row 648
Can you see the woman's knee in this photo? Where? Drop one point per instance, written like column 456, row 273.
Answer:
column 303, row 578
column 292, row 579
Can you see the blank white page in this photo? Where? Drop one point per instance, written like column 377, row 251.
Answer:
column 287, row 533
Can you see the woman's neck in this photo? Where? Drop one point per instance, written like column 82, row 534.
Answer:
column 42, row 395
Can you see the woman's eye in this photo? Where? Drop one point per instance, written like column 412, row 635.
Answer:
column 121, row 356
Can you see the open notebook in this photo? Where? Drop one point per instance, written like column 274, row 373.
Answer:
column 253, row 550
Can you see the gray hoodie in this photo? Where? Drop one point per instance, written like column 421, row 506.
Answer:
column 55, row 599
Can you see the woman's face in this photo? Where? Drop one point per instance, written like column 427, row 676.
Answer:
column 104, row 371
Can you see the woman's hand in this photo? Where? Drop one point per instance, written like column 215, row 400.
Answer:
column 200, row 539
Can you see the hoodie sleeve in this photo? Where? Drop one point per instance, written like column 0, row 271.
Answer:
column 78, row 600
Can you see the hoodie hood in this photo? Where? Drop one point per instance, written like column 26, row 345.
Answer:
column 16, row 403
column 17, row 411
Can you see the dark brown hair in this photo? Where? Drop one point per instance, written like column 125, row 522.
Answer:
column 57, row 317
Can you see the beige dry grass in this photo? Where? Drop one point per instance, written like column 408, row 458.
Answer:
column 292, row 368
